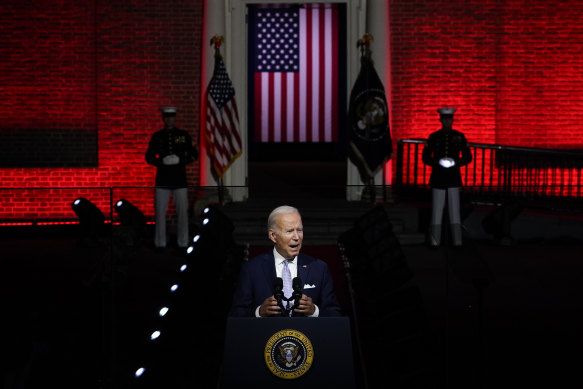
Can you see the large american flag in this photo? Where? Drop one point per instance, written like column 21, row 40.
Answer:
column 222, row 120
column 294, row 54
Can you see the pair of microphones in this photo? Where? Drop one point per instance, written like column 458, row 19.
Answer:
column 295, row 297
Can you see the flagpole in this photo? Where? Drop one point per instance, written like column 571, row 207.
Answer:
column 220, row 189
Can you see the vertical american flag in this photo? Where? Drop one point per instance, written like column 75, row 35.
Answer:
column 294, row 52
column 222, row 119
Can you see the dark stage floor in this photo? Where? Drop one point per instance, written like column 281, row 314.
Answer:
column 76, row 316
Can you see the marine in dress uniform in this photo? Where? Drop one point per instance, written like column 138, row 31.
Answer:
column 170, row 150
column 446, row 152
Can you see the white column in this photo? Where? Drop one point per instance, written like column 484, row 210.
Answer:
column 356, row 29
column 213, row 24
column 217, row 21
column 235, row 50
column 377, row 24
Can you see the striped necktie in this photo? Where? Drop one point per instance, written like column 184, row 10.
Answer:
column 287, row 282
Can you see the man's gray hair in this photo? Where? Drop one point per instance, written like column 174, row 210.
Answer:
column 281, row 210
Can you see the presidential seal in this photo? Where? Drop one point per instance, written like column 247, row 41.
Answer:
column 289, row 354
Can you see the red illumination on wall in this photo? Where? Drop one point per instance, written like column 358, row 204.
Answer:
column 117, row 63
column 511, row 68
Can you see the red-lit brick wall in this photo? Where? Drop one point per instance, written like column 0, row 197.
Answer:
column 513, row 70
column 105, row 66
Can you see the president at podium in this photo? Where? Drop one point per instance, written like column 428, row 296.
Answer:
column 290, row 349
column 284, row 282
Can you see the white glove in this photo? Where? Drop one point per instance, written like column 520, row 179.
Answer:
column 171, row 159
column 447, row 162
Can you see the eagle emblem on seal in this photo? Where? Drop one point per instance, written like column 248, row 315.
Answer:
column 289, row 352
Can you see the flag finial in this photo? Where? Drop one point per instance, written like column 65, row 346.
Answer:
column 216, row 41
column 364, row 44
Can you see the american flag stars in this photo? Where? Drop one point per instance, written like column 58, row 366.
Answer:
column 221, row 90
column 277, row 41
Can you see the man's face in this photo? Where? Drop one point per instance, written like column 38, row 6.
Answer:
column 446, row 122
column 288, row 235
column 169, row 121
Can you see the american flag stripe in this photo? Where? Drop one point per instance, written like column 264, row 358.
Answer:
column 226, row 147
column 302, row 106
column 333, row 28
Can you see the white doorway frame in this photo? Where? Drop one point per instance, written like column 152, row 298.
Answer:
column 235, row 54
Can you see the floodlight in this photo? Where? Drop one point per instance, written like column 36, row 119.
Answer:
column 132, row 220
column 91, row 220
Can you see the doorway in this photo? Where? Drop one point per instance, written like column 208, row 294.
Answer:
column 296, row 95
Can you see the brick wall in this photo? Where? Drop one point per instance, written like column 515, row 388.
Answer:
column 513, row 69
column 102, row 66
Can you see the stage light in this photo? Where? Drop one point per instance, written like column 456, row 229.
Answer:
column 374, row 252
column 174, row 287
column 377, row 273
column 139, row 372
column 91, row 221
column 196, row 238
column 189, row 250
column 163, row 311
column 155, row 335
column 499, row 221
column 133, row 222
column 128, row 212
column 205, row 221
column 183, row 267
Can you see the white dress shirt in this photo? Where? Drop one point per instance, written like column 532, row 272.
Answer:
column 291, row 265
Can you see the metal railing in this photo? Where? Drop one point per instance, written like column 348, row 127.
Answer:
column 500, row 171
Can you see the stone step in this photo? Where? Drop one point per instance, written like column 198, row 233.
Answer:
column 323, row 223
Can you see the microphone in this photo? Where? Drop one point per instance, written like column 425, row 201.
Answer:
column 278, row 290
column 297, row 293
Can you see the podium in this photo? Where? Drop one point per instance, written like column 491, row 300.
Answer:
column 326, row 351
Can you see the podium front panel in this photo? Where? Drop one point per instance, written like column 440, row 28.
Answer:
column 246, row 341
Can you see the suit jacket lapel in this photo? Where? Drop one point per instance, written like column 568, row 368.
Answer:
column 303, row 269
column 269, row 267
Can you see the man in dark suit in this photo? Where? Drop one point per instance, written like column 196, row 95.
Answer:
column 254, row 294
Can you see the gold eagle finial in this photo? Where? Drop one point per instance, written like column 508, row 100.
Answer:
column 364, row 44
column 216, row 41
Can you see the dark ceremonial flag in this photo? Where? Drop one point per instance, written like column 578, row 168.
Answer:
column 368, row 115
